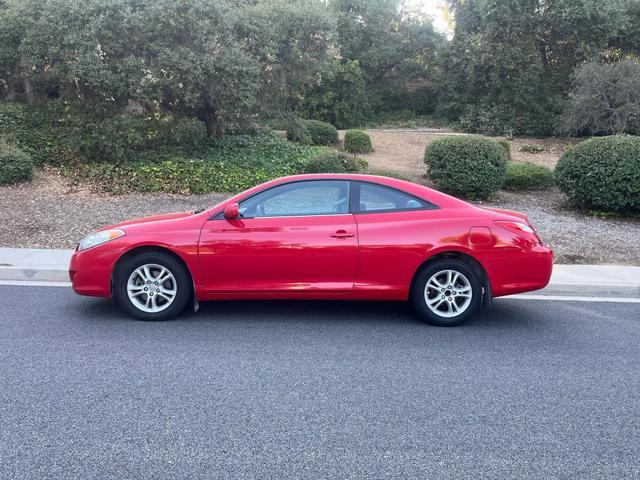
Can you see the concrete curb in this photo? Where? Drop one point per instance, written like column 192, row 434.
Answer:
column 19, row 274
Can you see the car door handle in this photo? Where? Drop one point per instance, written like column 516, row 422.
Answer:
column 342, row 234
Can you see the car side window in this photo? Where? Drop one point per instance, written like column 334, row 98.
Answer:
column 378, row 198
column 316, row 197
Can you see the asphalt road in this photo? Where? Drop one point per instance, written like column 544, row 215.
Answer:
column 534, row 389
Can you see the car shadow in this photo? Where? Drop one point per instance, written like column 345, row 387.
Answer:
column 503, row 315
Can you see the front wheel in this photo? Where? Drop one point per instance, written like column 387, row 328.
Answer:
column 152, row 286
column 446, row 293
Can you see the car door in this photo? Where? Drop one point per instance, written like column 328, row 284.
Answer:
column 394, row 231
column 297, row 238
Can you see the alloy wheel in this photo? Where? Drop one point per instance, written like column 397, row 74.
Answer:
column 151, row 288
column 448, row 293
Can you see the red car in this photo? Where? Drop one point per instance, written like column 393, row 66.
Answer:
column 325, row 236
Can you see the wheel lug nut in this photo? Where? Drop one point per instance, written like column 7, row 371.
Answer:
column 157, row 289
column 148, row 281
column 442, row 296
column 156, row 283
column 145, row 289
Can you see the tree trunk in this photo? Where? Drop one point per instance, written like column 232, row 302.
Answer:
column 212, row 120
column 28, row 90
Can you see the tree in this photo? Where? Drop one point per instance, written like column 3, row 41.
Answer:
column 176, row 55
column 509, row 64
column 492, row 76
column 392, row 47
column 292, row 41
column 605, row 100
column 340, row 96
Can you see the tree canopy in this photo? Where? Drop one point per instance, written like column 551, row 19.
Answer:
column 508, row 67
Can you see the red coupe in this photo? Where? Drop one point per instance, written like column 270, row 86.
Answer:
column 323, row 236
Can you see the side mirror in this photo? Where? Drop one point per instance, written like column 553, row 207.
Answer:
column 232, row 211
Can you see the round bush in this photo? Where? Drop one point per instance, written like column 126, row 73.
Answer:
column 321, row 133
column 357, row 141
column 15, row 165
column 335, row 162
column 528, row 176
column 602, row 172
column 469, row 166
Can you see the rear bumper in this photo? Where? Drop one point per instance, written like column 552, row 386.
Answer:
column 524, row 272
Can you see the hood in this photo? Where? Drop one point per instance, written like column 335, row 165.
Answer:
column 155, row 218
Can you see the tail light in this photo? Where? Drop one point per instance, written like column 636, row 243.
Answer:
column 523, row 229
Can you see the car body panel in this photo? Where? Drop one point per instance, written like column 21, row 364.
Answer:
column 284, row 254
column 296, row 257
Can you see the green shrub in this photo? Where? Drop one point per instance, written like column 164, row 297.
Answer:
column 602, row 173
column 470, row 166
column 232, row 164
column 130, row 138
column 335, row 162
column 357, row 141
column 506, row 145
column 532, row 148
column 527, row 176
column 12, row 118
column 15, row 164
column 321, row 133
column 296, row 130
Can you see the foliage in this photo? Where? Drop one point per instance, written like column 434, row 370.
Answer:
column 339, row 97
column 506, row 146
column 605, row 99
column 532, row 148
column 32, row 129
column 15, row 164
column 291, row 41
column 470, row 166
column 335, row 162
column 296, row 130
column 527, row 176
column 129, row 138
column 508, row 65
column 357, row 141
column 321, row 133
column 401, row 119
column 602, row 173
column 233, row 164
column 392, row 47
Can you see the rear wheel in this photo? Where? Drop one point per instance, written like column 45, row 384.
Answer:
column 446, row 292
column 153, row 286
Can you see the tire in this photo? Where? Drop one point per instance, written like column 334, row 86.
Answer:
column 451, row 307
column 171, row 295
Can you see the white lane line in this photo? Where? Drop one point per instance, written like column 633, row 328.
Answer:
column 522, row 296
column 28, row 283
column 569, row 298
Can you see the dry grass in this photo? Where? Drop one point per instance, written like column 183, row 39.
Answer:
column 402, row 151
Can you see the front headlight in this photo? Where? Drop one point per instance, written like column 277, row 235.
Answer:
column 99, row 238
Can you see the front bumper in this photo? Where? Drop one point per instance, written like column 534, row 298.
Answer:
column 90, row 270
